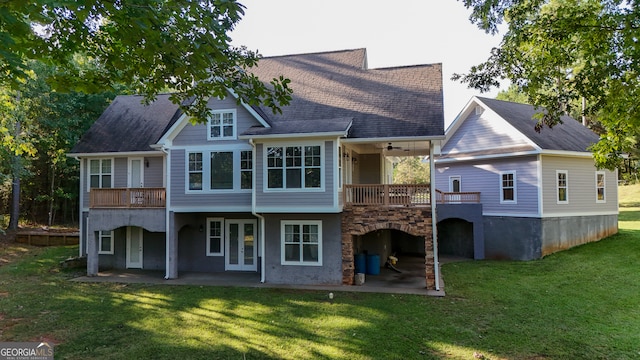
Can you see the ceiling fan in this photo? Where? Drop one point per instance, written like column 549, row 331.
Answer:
column 391, row 147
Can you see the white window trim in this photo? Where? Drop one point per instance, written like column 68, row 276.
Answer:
column 113, row 164
column 100, row 239
column 515, row 188
column 604, row 187
column 206, row 170
column 265, row 173
column 283, row 223
column 188, row 172
column 222, row 137
column 566, row 173
column 222, row 238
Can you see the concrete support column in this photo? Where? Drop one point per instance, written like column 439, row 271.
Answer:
column 172, row 248
column 92, row 254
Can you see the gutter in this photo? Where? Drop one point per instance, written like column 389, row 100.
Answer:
column 263, row 266
column 434, row 223
column 167, row 229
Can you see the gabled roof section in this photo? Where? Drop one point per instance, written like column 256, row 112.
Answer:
column 571, row 135
column 383, row 103
column 128, row 126
column 319, row 127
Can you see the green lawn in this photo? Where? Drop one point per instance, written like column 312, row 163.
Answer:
column 583, row 303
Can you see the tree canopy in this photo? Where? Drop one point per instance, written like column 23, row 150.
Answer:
column 151, row 45
column 558, row 52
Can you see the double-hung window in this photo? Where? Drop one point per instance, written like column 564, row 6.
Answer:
column 246, row 170
column 508, row 187
column 195, row 171
column 600, row 187
column 222, row 125
column 294, row 167
column 215, row 237
column 100, row 173
column 562, row 186
column 105, row 242
column 301, row 242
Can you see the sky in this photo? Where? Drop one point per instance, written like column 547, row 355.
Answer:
column 395, row 33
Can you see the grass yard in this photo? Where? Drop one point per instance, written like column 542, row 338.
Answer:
column 583, row 303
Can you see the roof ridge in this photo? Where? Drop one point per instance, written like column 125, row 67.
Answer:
column 406, row 66
column 315, row 53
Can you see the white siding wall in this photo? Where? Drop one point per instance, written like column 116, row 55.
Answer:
column 581, row 187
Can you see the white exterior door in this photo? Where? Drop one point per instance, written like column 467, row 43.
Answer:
column 136, row 173
column 136, row 179
column 455, row 186
column 134, row 247
column 240, row 245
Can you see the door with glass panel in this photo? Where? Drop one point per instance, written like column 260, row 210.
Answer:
column 240, row 245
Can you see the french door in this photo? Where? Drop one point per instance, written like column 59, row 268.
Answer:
column 240, row 247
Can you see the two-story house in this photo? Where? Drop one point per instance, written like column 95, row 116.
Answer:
column 292, row 196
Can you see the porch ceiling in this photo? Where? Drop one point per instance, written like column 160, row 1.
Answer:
column 391, row 148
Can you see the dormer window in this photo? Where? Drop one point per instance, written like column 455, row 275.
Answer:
column 222, row 125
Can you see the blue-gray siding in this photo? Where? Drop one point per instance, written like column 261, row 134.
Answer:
column 486, row 131
column 220, row 201
column 197, row 134
column 484, row 177
column 331, row 270
column 298, row 200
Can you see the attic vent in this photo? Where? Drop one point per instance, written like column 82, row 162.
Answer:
column 479, row 110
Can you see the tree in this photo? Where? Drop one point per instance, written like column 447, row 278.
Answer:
column 559, row 52
column 181, row 45
column 513, row 94
column 411, row 170
column 39, row 127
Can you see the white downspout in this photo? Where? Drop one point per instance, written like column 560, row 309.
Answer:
column 260, row 217
column 167, row 229
column 434, row 227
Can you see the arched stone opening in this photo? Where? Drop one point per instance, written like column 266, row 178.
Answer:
column 455, row 238
column 357, row 221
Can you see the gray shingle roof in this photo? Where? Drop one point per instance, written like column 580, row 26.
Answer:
column 390, row 102
column 318, row 126
column 571, row 135
column 332, row 91
column 128, row 125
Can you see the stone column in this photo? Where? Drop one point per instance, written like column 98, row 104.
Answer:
column 430, row 275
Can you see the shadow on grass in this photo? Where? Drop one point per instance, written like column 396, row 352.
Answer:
column 580, row 303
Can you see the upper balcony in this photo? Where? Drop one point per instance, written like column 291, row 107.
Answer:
column 402, row 195
column 127, row 198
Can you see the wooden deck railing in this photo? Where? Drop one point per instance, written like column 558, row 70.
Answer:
column 386, row 195
column 457, row 197
column 127, row 198
column 402, row 195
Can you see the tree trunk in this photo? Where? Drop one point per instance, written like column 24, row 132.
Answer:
column 15, row 186
column 52, row 194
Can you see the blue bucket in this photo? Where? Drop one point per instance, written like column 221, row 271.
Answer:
column 373, row 264
column 361, row 263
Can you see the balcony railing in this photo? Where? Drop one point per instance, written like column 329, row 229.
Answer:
column 457, row 197
column 403, row 195
column 386, row 195
column 127, row 198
